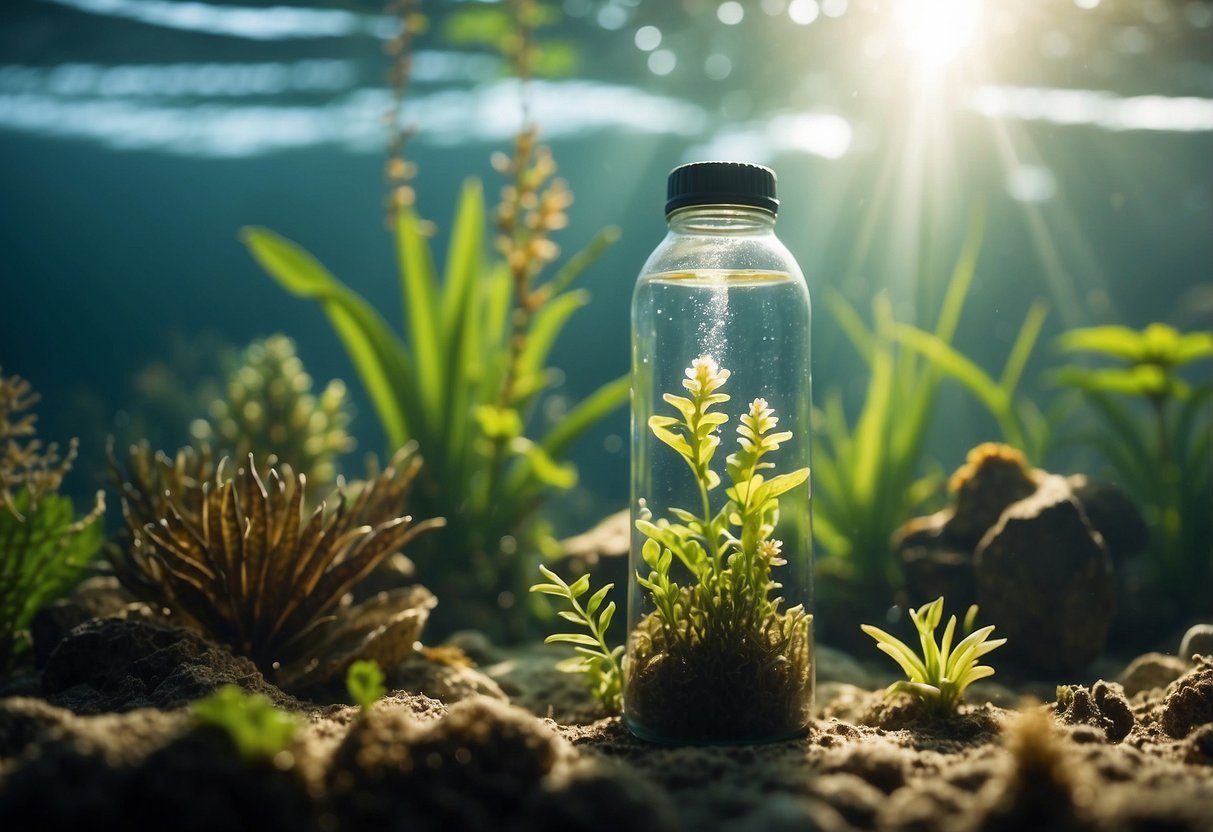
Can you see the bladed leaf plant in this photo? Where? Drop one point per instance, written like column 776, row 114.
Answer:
column 467, row 372
column 941, row 672
column 872, row 475
column 1157, row 434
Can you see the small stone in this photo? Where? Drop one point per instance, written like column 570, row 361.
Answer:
column 1150, row 671
column 1045, row 579
column 444, row 682
column 1198, row 641
column 1189, row 702
column 1103, row 706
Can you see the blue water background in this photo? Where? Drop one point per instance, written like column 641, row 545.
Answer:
column 138, row 136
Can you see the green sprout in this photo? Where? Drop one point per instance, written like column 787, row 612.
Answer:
column 595, row 659
column 364, row 681
column 940, row 675
column 257, row 729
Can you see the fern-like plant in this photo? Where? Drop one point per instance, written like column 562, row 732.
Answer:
column 595, row 659
column 939, row 675
column 717, row 659
column 239, row 558
column 44, row 546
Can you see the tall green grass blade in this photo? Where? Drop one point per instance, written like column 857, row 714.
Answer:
column 545, row 327
column 461, row 308
column 379, row 358
column 1025, row 342
column 419, row 287
column 583, row 259
column 585, row 414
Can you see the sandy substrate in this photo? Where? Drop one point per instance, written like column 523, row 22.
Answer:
column 1099, row 761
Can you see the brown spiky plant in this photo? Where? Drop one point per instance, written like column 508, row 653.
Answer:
column 242, row 560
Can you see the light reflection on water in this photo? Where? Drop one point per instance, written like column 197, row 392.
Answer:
column 488, row 113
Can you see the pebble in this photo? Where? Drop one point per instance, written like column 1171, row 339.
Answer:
column 1150, row 671
column 1197, row 641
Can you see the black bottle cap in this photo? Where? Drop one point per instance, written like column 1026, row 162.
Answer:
column 721, row 183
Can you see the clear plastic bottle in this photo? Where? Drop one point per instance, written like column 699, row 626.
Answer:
column 720, row 644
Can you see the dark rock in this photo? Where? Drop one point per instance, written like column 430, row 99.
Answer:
column 475, row 645
column 1189, row 701
column 1197, row 641
column 1045, row 578
column 596, row 795
column 239, row 794
column 1103, row 706
column 114, row 665
column 1198, row 748
column 934, row 565
column 98, row 597
column 1152, row 670
column 477, row 768
column 444, row 682
column 993, row 477
column 1111, row 513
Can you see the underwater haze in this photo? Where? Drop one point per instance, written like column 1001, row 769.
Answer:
column 137, row 137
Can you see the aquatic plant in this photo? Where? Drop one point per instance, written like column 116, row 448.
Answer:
column 44, row 546
column 1158, row 437
column 595, row 659
column 269, row 409
column 941, row 673
column 721, row 640
column 239, row 559
column 871, row 477
column 257, row 729
column 364, row 682
column 473, row 367
column 1019, row 419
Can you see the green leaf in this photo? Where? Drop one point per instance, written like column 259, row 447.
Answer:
column 590, row 411
column 548, row 471
column 364, row 681
column 546, row 325
column 461, row 327
column 378, row 356
column 948, row 359
column 419, row 289
column 1113, row 341
column 571, row 638
column 582, row 260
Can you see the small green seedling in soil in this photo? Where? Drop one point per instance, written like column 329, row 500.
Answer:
column 257, row 729
column 940, row 675
column 598, row 662
column 364, row 681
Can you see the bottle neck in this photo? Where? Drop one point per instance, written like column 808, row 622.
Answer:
column 721, row 219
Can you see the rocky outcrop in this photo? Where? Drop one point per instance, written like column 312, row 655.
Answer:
column 1045, row 578
column 111, row 665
